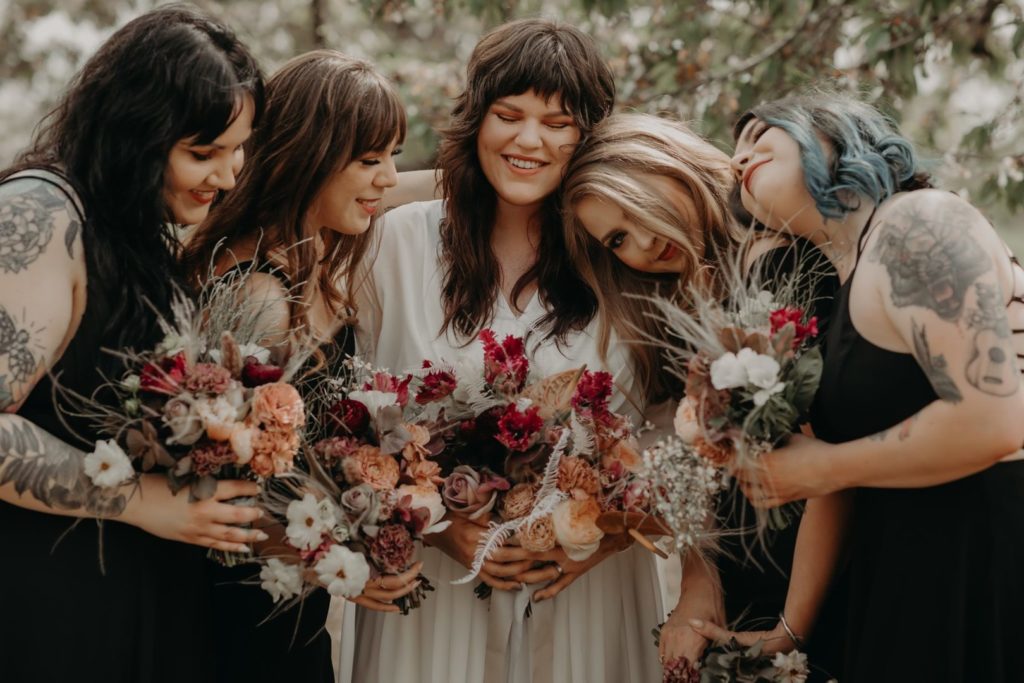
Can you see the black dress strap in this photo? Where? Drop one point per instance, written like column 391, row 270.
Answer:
column 865, row 232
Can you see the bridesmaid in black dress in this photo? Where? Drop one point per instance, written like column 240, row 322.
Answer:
column 918, row 416
column 652, row 205
column 144, row 136
column 318, row 169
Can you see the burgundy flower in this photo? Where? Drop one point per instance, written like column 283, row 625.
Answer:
column 255, row 373
column 680, row 670
column 208, row 458
column 388, row 383
column 392, row 549
column 784, row 316
column 505, row 364
column 164, row 377
column 592, row 394
column 347, row 417
column 516, row 429
column 207, row 378
column 436, row 385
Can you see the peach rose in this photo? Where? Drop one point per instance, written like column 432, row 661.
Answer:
column 277, row 405
column 273, row 450
column 369, row 466
column 416, row 448
column 716, row 453
column 686, row 422
column 427, row 497
column 575, row 522
column 622, row 452
column 424, row 471
column 518, row 502
column 539, row 536
column 576, row 474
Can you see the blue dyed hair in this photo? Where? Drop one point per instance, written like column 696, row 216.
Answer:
column 871, row 157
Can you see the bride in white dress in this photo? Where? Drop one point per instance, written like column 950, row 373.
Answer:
column 493, row 256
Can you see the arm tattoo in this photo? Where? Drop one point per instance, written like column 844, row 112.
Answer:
column 902, row 431
column 52, row 471
column 931, row 262
column 991, row 368
column 26, row 225
column 935, row 367
column 21, row 361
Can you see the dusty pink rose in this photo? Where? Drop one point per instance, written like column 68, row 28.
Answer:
column 277, row 405
column 576, row 474
column 519, row 501
column 369, row 466
column 207, row 378
column 425, row 501
column 576, row 529
column 472, row 493
column 539, row 536
column 392, row 549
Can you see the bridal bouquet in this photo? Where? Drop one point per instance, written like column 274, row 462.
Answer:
column 541, row 461
column 373, row 492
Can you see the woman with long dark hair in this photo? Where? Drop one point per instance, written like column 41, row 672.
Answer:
column 918, row 416
column 493, row 255
column 147, row 134
column 299, row 222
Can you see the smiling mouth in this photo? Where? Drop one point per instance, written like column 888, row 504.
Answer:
column 750, row 174
column 203, row 196
column 369, row 205
column 668, row 252
column 523, row 164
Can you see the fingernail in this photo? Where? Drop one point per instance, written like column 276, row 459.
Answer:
column 260, row 512
column 696, row 623
column 261, row 536
column 244, row 549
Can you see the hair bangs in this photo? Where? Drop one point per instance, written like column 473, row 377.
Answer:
column 381, row 119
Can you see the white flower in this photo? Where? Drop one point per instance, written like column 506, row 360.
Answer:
column 727, row 372
column 261, row 354
column 241, row 442
column 131, row 383
column 762, row 370
column 686, row 423
column 429, row 499
column 171, row 345
column 792, row 667
column 219, row 417
column 108, row 466
column 343, row 572
column 280, row 579
column 374, row 400
column 761, row 396
column 306, row 523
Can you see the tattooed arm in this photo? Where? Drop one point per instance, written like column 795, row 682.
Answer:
column 42, row 298
column 934, row 283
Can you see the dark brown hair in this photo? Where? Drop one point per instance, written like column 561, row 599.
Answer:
column 553, row 60
column 324, row 110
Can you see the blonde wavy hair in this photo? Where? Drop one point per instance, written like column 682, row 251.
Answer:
column 615, row 164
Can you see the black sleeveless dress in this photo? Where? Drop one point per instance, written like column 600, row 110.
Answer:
column 290, row 646
column 61, row 618
column 755, row 572
column 937, row 573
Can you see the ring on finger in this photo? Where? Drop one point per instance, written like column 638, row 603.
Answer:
column 558, row 568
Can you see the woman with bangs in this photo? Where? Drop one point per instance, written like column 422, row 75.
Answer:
column 649, row 211
column 299, row 222
column 147, row 134
column 918, row 417
column 493, row 255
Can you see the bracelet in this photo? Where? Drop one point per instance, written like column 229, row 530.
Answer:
column 797, row 640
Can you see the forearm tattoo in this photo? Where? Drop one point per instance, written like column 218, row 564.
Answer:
column 936, row 369
column 932, row 260
column 992, row 367
column 52, row 471
column 27, row 221
column 902, row 430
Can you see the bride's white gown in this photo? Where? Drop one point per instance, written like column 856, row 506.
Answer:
column 596, row 631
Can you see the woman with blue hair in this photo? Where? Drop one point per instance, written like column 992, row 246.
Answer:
column 918, row 417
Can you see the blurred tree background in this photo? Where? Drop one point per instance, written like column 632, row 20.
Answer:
column 951, row 72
